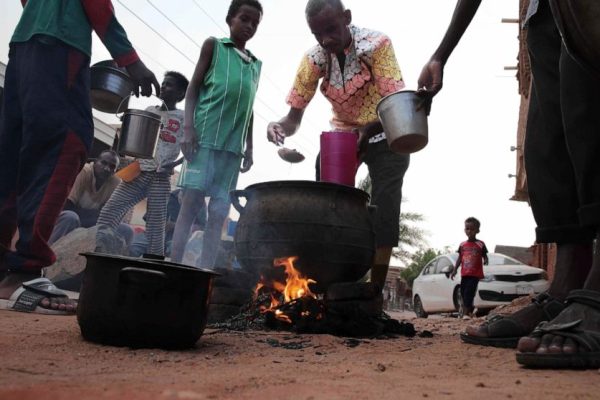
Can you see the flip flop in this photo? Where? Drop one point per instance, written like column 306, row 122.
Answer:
column 505, row 331
column 28, row 296
column 587, row 340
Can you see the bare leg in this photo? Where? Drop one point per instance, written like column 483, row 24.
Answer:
column 191, row 203
column 217, row 212
column 380, row 266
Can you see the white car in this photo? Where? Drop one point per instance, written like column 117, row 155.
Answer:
column 505, row 279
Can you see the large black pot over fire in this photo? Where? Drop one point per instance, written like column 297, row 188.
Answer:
column 136, row 302
column 326, row 225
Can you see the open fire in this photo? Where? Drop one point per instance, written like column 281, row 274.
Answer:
column 292, row 300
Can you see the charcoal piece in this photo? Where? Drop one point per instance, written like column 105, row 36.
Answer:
column 352, row 291
column 399, row 327
column 425, row 334
column 372, row 307
column 221, row 312
column 231, row 296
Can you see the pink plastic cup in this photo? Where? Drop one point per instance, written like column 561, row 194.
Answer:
column 339, row 160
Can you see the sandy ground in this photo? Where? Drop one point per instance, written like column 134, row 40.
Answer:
column 44, row 357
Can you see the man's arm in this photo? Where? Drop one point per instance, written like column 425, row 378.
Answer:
column 286, row 126
column 431, row 78
column 101, row 15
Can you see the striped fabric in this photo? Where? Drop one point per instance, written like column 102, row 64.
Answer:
column 156, row 187
column 225, row 102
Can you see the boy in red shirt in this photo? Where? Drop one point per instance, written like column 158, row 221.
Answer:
column 472, row 254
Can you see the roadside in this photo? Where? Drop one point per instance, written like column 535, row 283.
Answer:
column 45, row 358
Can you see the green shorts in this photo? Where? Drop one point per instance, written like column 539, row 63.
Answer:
column 213, row 172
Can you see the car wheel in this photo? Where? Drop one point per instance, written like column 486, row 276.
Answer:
column 458, row 303
column 418, row 307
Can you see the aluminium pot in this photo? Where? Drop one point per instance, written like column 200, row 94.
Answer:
column 110, row 87
column 136, row 302
column 328, row 226
column 577, row 22
column 139, row 133
column 405, row 127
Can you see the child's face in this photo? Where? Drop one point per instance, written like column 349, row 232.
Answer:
column 471, row 230
column 169, row 91
column 244, row 23
column 330, row 28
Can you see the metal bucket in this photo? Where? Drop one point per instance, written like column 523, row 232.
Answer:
column 139, row 133
column 110, row 87
column 404, row 126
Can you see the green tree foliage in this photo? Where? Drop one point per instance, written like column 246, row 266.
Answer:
column 419, row 260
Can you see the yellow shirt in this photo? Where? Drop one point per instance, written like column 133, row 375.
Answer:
column 84, row 194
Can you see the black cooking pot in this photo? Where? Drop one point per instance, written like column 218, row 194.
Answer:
column 328, row 226
column 138, row 302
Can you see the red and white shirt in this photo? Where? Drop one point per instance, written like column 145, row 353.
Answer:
column 471, row 255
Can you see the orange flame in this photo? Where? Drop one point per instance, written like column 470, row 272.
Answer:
column 295, row 287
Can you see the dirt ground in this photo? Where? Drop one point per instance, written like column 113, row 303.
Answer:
column 44, row 357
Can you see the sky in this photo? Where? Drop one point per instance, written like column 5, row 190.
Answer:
column 463, row 171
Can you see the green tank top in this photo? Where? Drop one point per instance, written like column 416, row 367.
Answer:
column 226, row 98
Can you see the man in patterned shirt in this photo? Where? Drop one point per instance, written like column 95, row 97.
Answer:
column 356, row 67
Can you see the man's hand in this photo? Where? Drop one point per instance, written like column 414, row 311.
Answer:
column 189, row 143
column 247, row 161
column 144, row 78
column 275, row 133
column 430, row 83
column 453, row 274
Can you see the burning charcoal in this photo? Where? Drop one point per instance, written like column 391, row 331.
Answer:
column 352, row 291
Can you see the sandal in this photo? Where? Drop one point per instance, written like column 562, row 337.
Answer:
column 588, row 341
column 506, row 330
column 28, row 296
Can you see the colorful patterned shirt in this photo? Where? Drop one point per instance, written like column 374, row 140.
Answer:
column 371, row 72
column 471, row 254
column 224, row 106
column 72, row 21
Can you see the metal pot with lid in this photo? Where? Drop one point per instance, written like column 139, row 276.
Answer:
column 110, row 86
column 138, row 302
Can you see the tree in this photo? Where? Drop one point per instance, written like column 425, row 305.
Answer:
column 411, row 236
column 419, row 260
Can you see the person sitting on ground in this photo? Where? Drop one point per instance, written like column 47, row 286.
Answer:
column 154, row 175
column 46, row 133
column 91, row 190
column 218, row 128
column 472, row 255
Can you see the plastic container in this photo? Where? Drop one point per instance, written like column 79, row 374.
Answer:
column 339, row 158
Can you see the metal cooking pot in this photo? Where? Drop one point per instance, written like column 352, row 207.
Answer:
column 139, row 133
column 137, row 302
column 328, row 226
column 578, row 24
column 110, row 86
column 405, row 127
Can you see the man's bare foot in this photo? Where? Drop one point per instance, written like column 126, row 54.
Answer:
column 14, row 281
column 571, row 340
